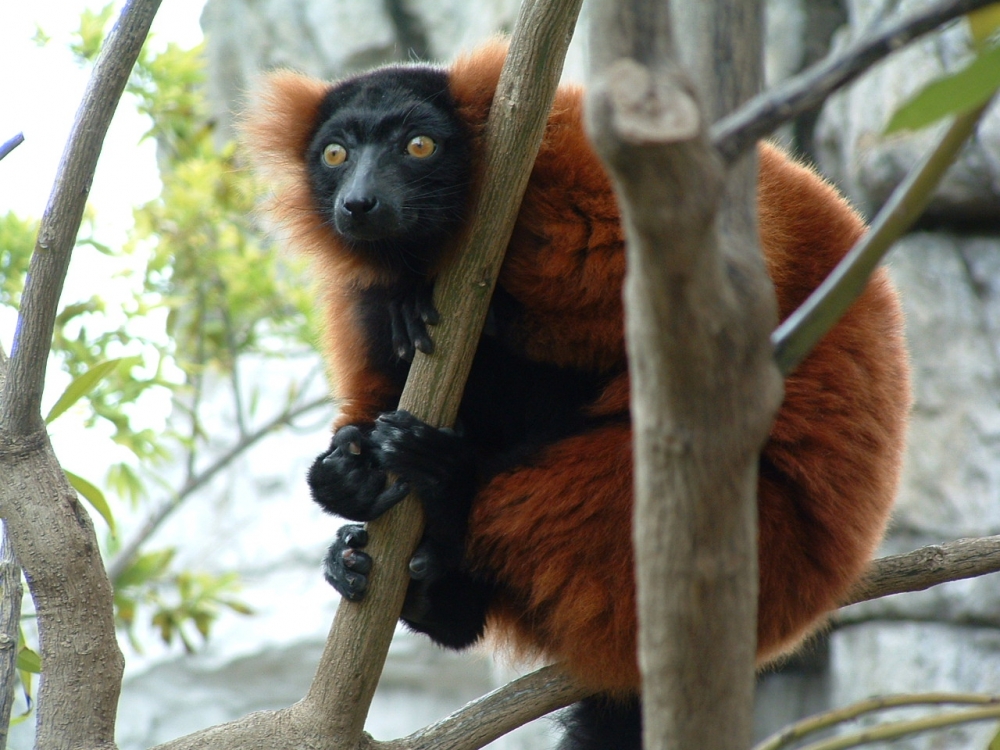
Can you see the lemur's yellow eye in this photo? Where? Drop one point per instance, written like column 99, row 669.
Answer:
column 334, row 155
column 421, row 147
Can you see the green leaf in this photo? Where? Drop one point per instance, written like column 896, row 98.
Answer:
column 29, row 661
column 147, row 567
column 92, row 495
column 995, row 742
column 82, row 385
column 953, row 94
column 983, row 24
column 241, row 607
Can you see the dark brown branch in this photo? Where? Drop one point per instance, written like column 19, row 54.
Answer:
column 737, row 132
column 928, row 566
column 21, row 398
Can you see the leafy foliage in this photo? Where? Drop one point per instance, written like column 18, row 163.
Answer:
column 962, row 91
column 952, row 94
column 17, row 240
column 196, row 290
column 179, row 601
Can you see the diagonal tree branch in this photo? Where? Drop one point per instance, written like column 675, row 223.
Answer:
column 483, row 720
column 735, row 133
column 926, row 567
column 435, row 383
column 11, row 144
column 333, row 712
column 801, row 330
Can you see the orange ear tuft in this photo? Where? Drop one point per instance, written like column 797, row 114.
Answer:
column 276, row 126
column 473, row 79
column 274, row 133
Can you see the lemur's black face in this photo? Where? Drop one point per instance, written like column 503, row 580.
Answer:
column 389, row 165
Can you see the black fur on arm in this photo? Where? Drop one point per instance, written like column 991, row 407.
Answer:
column 449, row 607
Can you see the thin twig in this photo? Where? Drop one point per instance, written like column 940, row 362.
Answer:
column 926, row 567
column 819, row 722
column 196, row 481
column 899, row 729
column 737, row 132
column 798, row 334
column 11, row 144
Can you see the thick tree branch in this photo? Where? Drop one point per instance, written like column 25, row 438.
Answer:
column 11, row 594
column 51, row 533
column 926, row 567
column 10, row 608
column 738, row 132
column 10, row 616
column 704, row 387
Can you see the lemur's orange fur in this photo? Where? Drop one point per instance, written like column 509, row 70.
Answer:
column 828, row 474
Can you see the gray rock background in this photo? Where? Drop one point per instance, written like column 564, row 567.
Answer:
column 867, row 165
column 258, row 519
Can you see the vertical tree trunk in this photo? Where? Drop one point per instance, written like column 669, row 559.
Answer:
column 699, row 310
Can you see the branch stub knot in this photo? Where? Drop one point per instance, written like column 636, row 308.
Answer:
column 650, row 106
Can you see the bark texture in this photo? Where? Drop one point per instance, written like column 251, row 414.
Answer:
column 699, row 310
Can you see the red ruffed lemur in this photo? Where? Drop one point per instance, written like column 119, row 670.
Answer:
column 528, row 501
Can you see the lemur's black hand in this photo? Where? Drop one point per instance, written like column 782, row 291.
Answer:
column 410, row 312
column 346, row 567
column 349, row 479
